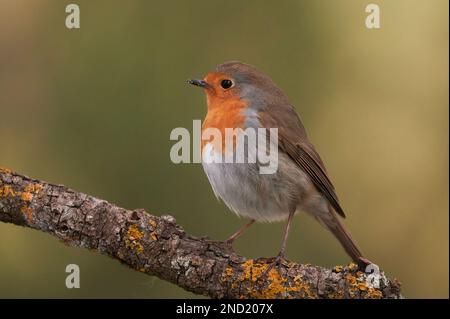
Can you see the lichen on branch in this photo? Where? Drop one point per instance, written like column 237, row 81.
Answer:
column 158, row 246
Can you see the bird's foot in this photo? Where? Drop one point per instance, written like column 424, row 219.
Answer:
column 227, row 245
column 363, row 263
column 273, row 262
column 229, row 242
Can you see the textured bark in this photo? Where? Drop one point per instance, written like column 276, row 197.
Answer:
column 159, row 247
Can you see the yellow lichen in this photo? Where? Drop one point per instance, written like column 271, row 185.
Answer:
column 352, row 266
column 252, row 271
column 134, row 233
column 153, row 235
column 6, row 191
column 26, row 196
column 362, row 286
column 227, row 274
column 358, row 287
column 350, row 279
column 27, row 212
column 29, row 191
column 33, row 188
column 5, row 170
column 152, row 223
column 229, row 271
column 373, row 293
column 337, row 268
column 277, row 284
column 133, row 237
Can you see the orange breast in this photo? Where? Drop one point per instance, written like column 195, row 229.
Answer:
column 221, row 115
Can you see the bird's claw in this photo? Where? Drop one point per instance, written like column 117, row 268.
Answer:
column 363, row 263
column 228, row 244
column 276, row 262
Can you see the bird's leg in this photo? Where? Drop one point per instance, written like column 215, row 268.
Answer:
column 285, row 238
column 239, row 232
column 279, row 258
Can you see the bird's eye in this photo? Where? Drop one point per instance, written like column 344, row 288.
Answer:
column 226, row 84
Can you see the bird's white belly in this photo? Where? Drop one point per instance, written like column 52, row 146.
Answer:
column 263, row 197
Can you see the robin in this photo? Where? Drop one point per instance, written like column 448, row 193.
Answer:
column 240, row 96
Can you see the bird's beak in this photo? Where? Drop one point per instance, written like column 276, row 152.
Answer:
column 200, row 83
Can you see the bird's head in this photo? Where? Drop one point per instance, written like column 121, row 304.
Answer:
column 237, row 81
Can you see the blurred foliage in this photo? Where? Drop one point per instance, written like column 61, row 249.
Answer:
column 93, row 108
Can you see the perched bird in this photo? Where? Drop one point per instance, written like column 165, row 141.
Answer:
column 240, row 96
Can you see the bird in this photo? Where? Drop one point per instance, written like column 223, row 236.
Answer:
column 238, row 95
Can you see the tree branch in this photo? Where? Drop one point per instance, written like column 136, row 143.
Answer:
column 159, row 247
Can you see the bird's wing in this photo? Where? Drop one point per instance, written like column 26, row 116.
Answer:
column 294, row 142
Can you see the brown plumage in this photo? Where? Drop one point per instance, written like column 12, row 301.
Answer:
column 301, row 182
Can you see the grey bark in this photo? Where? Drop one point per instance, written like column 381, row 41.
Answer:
column 157, row 246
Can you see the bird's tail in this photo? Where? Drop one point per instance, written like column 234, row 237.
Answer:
column 332, row 223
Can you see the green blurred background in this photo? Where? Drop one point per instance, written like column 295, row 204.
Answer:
column 93, row 109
